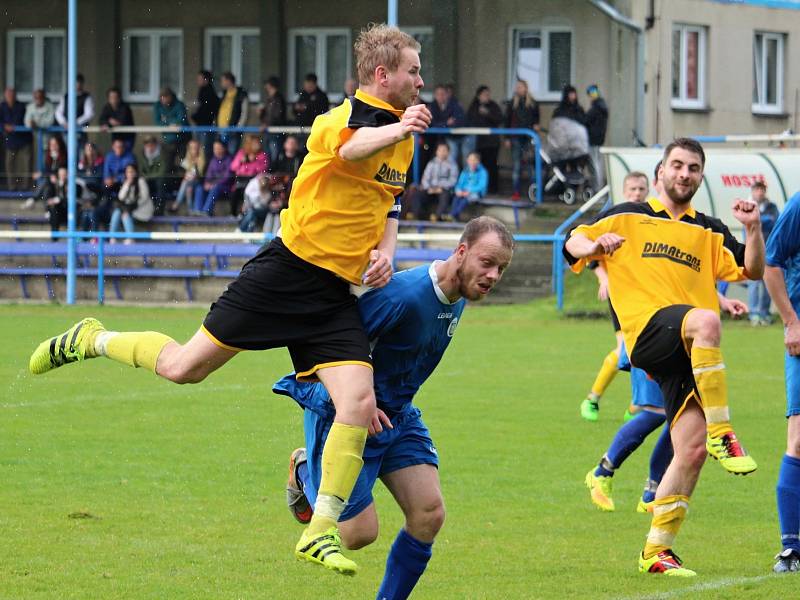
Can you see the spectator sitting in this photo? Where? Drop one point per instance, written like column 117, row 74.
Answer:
column 117, row 113
column 471, row 186
column 206, row 108
column 437, row 184
column 113, row 175
column 485, row 112
column 250, row 161
column 522, row 112
column 273, row 113
column 290, row 158
column 55, row 157
column 596, row 125
column 311, row 102
column 84, row 109
column 447, row 112
column 153, row 168
column 233, row 111
column 133, row 202
column 55, row 197
column 17, row 143
column 90, row 170
column 40, row 113
column 758, row 299
column 256, row 203
column 194, row 166
column 168, row 110
column 350, row 86
column 217, row 182
column 569, row 107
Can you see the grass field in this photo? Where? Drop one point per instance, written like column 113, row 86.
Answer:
column 114, row 484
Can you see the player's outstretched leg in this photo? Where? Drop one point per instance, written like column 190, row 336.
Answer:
column 295, row 496
column 73, row 345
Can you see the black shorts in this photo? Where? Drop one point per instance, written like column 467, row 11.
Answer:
column 614, row 318
column 279, row 300
column 661, row 352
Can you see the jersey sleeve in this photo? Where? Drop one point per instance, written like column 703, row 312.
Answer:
column 603, row 224
column 730, row 258
column 397, row 208
column 379, row 312
column 330, row 131
column 784, row 241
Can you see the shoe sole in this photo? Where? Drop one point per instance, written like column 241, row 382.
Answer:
column 340, row 570
column 732, row 472
column 304, row 517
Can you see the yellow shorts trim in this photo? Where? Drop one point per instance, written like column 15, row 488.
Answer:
column 686, row 346
column 309, row 375
column 683, row 407
column 210, row 336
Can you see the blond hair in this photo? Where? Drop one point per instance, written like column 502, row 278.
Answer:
column 380, row 45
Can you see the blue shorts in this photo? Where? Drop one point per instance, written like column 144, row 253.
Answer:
column 408, row 444
column 645, row 391
column 792, row 370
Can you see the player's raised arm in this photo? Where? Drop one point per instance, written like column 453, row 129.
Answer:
column 747, row 214
column 580, row 246
column 367, row 141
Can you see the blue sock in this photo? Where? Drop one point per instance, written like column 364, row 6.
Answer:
column 303, row 474
column 404, row 566
column 788, row 492
column 659, row 461
column 629, row 437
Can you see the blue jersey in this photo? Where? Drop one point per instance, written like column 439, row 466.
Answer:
column 783, row 248
column 410, row 323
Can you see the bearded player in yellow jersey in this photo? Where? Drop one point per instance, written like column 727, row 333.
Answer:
column 663, row 260
column 340, row 230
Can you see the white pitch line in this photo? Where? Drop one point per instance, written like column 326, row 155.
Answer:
column 700, row 587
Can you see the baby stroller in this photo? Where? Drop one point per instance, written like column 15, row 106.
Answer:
column 568, row 167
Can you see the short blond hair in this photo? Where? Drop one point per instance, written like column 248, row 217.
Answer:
column 377, row 45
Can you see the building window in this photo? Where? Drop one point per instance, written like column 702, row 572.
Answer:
column 424, row 36
column 688, row 66
column 325, row 52
column 544, row 58
column 152, row 59
column 768, row 73
column 36, row 58
column 237, row 50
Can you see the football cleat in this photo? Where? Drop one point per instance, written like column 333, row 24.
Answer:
column 325, row 549
column 67, row 347
column 600, row 491
column 788, row 561
column 730, row 454
column 590, row 410
column 644, row 507
column 664, row 563
column 295, row 497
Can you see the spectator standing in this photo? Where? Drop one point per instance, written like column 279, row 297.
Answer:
column 217, row 182
column 271, row 114
column 569, row 107
column 117, row 113
column 250, row 161
column 597, row 125
column 311, row 102
column 447, row 112
column 168, row 110
column 471, row 186
column 90, row 170
column 194, row 167
column 522, row 112
column 485, row 112
column 350, row 86
column 114, row 166
column 133, row 202
column 290, row 158
column 757, row 295
column 436, row 187
column 233, row 111
column 17, row 143
column 40, row 112
column 206, row 108
column 153, row 168
column 84, row 109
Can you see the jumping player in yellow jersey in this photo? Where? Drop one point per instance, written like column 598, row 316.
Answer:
column 663, row 260
column 340, row 230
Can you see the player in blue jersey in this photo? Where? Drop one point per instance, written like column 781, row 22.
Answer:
column 410, row 323
column 782, row 277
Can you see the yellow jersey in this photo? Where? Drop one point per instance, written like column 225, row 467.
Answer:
column 663, row 261
column 337, row 208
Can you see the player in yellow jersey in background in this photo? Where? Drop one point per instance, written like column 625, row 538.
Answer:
column 340, row 230
column 663, row 260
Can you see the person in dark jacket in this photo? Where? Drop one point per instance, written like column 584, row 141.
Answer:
column 271, row 114
column 311, row 102
column 205, row 110
column 17, row 143
column 485, row 112
column 522, row 112
column 596, row 125
column 569, row 107
column 117, row 113
column 446, row 111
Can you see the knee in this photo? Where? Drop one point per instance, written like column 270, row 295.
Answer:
column 426, row 523
column 706, row 326
column 359, row 538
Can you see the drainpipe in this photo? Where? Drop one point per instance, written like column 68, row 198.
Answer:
column 626, row 21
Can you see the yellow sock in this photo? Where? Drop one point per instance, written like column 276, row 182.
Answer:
column 136, row 349
column 709, row 375
column 606, row 374
column 668, row 514
column 341, row 464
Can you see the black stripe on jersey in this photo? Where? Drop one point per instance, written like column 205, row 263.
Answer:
column 366, row 115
